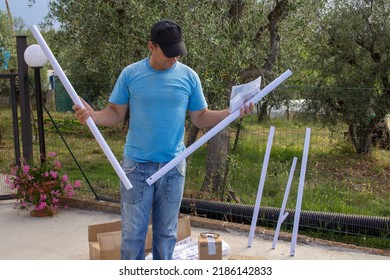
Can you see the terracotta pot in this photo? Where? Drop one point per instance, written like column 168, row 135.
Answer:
column 43, row 213
column 46, row 186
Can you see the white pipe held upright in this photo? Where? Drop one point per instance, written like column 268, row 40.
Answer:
column 75, row 98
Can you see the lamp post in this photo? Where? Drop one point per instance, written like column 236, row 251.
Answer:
column 36, row 59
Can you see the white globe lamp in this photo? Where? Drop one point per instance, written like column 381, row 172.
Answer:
column 34, row 56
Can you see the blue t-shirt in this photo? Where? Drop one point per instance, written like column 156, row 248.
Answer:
column 158, row 101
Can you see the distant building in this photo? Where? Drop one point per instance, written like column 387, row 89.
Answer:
column 280, row 111
column 4, row 58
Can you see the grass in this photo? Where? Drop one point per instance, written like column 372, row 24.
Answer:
column 337, row 180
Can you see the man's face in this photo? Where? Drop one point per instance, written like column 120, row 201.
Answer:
column 158, row 60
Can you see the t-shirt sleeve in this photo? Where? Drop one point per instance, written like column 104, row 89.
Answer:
column 120, row 93
column 197, row 100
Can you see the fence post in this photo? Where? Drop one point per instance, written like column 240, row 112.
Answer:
column 24, row 98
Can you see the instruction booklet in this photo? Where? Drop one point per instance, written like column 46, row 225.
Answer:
column 242, row 93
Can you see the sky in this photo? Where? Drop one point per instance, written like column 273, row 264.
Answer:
column 31, row 16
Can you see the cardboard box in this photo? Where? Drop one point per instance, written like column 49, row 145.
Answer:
column 105, row 239
column 209, row 246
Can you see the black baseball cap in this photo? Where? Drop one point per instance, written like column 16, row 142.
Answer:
column 167, row 34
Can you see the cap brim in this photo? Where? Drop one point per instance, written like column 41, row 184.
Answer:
column 174, row 50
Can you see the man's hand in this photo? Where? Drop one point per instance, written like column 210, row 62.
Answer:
column 82, row 114
column 246, row 110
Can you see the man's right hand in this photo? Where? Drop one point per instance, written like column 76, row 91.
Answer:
column 82, row 114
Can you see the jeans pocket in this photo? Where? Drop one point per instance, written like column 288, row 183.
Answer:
column 129, row 165
column 175, row 183
column 135, row 194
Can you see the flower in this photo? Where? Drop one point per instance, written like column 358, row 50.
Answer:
column 40, row 185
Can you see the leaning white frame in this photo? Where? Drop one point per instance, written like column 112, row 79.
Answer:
column 300, row 192
column 283, row 215
column 221, row 125
column 75, row 98
column 256, row 209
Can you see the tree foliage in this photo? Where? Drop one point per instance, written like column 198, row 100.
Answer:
column 10, row 27
column 104, row 36
column 351, row 55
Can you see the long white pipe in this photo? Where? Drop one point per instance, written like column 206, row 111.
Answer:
column 300, row 192
column 256, row 210
column 76, row 100
column 282, row 214
column 225, row 122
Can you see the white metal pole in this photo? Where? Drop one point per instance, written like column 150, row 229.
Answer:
column 256, row 210
column 300, row 192
column 75, row 98
column 282, row 214
column 212, row 132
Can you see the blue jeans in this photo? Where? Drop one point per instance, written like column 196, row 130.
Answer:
column 162, row 199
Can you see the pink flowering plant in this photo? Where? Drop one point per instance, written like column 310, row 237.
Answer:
column 40, row 185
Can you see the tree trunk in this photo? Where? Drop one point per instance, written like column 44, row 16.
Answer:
column 192, row 134
column 217, row 152
column 361, row 137
column 218, row 147
column 10, row 17
column 235, row 144
column 262, row 110
column 288, row 110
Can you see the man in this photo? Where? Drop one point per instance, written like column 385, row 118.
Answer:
column 158, row 91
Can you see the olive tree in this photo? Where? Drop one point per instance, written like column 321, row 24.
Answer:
column 351, row 58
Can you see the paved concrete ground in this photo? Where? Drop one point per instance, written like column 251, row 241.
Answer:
column 64, row 237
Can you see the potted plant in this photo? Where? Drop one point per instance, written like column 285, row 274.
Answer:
column 40, row 186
